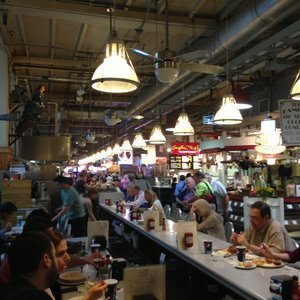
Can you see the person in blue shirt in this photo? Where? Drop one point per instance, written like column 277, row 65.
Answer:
column 180, row 186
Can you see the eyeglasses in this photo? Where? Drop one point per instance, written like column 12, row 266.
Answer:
column 254, row 218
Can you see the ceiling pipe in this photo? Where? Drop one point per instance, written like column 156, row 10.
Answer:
column 252, row 20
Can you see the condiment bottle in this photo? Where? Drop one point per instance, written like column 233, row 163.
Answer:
column 188, row 240
column 151, row 223
column 163, row 224
column 295, row 289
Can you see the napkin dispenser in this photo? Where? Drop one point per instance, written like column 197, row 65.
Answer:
column 281, row 285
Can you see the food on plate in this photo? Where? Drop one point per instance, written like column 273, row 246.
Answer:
column 72, row 276
column 246, row 264
column 269, row 260
column 232, row 249
column 277, row 262
column 259, row 261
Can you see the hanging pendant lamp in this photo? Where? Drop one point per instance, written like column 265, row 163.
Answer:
column 116, row 74
column 295, row 90
column 139, row 141
column 126, row 146
column 228, row 114
column 183, row 125
column 269, row 141
column 157, row 137
column 116, row 148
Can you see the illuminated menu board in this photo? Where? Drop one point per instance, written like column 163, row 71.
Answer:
column 187, row 162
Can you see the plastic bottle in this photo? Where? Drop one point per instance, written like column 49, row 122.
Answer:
column 295, row 289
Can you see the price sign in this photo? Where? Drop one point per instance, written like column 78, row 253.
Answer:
column 286, row 222
column 290, row 121
column 289, row 206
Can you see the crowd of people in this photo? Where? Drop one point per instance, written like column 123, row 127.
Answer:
column 46, row 250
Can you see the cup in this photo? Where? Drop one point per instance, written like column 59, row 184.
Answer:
column 241, row 251
column 95, row 248
column 111, row 288
column 207, row 247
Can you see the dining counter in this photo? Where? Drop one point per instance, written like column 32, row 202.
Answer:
column 249, row 284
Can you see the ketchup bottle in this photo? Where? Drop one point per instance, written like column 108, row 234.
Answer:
column 188, row 240
column 151, row 224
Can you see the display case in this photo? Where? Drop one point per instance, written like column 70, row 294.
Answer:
column 292, row 216
column 237, row 215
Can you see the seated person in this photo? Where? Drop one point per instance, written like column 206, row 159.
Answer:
column 139, row 197
column 212, row 222
column 291, row 256
column 263, row 229
column 154, row 202
column 7, row 209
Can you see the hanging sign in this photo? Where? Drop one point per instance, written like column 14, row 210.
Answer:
column 181, row 162
column 290, row 121
column 180, row 148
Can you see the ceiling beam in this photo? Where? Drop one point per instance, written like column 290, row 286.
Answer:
column 128, row 19
column 196, row 7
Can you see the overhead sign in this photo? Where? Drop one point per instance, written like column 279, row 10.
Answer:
column 208, row 120
column 290, row 121
column 187, row 162
column 181, row 148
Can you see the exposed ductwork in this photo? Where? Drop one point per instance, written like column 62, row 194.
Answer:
column 247, row 24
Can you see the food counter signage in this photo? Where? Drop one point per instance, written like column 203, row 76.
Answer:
column 181, row 162
column 179, row 148
column 290, row 121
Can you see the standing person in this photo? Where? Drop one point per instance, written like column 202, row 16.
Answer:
column 237, row 181
column 72, row 206
column 222, row 197
column 7, row 210
column 203, row 190
column 39, row 96
column 143, row 183
column 80, row 184
column 124, row 184
column 33, row 267
column 180, row 186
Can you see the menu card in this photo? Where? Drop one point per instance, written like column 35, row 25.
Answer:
column 97, row 228
column 187, row 231
column 151, row 215
column 145, row 280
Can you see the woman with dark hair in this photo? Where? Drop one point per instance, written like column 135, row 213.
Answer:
column 7, row 209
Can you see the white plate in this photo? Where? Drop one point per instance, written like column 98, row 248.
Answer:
column 251, row 256
column 244, row 268
column 270, row 266
column 221, row 253
column 71, row 283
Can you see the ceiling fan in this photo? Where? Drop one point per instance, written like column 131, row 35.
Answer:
column 113, row 117
column 167, row 66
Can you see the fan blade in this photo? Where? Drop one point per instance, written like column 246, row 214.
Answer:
column 145, row 54
column 202, row 68
column 195, row 55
